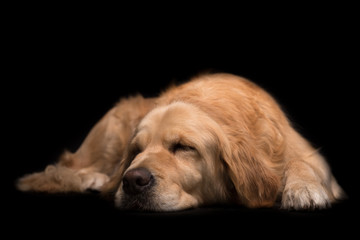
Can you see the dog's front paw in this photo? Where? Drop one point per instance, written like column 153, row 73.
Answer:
column 93, row 180
column 304, row 195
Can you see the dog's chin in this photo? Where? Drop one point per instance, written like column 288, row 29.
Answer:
column 136, row 205
column 147, row 202
column 139, row 202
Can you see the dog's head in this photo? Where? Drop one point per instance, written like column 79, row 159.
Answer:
column 179, row 157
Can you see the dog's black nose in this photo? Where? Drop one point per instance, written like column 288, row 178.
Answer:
column 137, row 180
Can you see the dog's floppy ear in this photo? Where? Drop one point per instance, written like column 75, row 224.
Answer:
column 255, row 184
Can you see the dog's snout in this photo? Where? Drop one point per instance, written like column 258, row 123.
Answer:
column 137, row 180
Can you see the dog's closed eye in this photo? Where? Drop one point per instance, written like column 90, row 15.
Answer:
column 179, row 147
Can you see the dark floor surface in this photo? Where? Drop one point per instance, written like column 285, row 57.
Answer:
column 88, row 214
column 61, row 81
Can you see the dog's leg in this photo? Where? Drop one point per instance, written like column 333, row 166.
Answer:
column 92, row 164
column 304, row 187
column 308, row 182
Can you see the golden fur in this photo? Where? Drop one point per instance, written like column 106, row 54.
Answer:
column 217, row 139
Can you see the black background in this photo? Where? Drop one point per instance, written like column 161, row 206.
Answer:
column 63, row 72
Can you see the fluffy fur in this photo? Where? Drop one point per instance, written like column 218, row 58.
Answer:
column 217, row 139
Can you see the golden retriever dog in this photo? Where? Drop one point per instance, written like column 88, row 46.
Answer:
column 217, row 139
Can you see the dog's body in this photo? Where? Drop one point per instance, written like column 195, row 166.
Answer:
column 216, row 139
